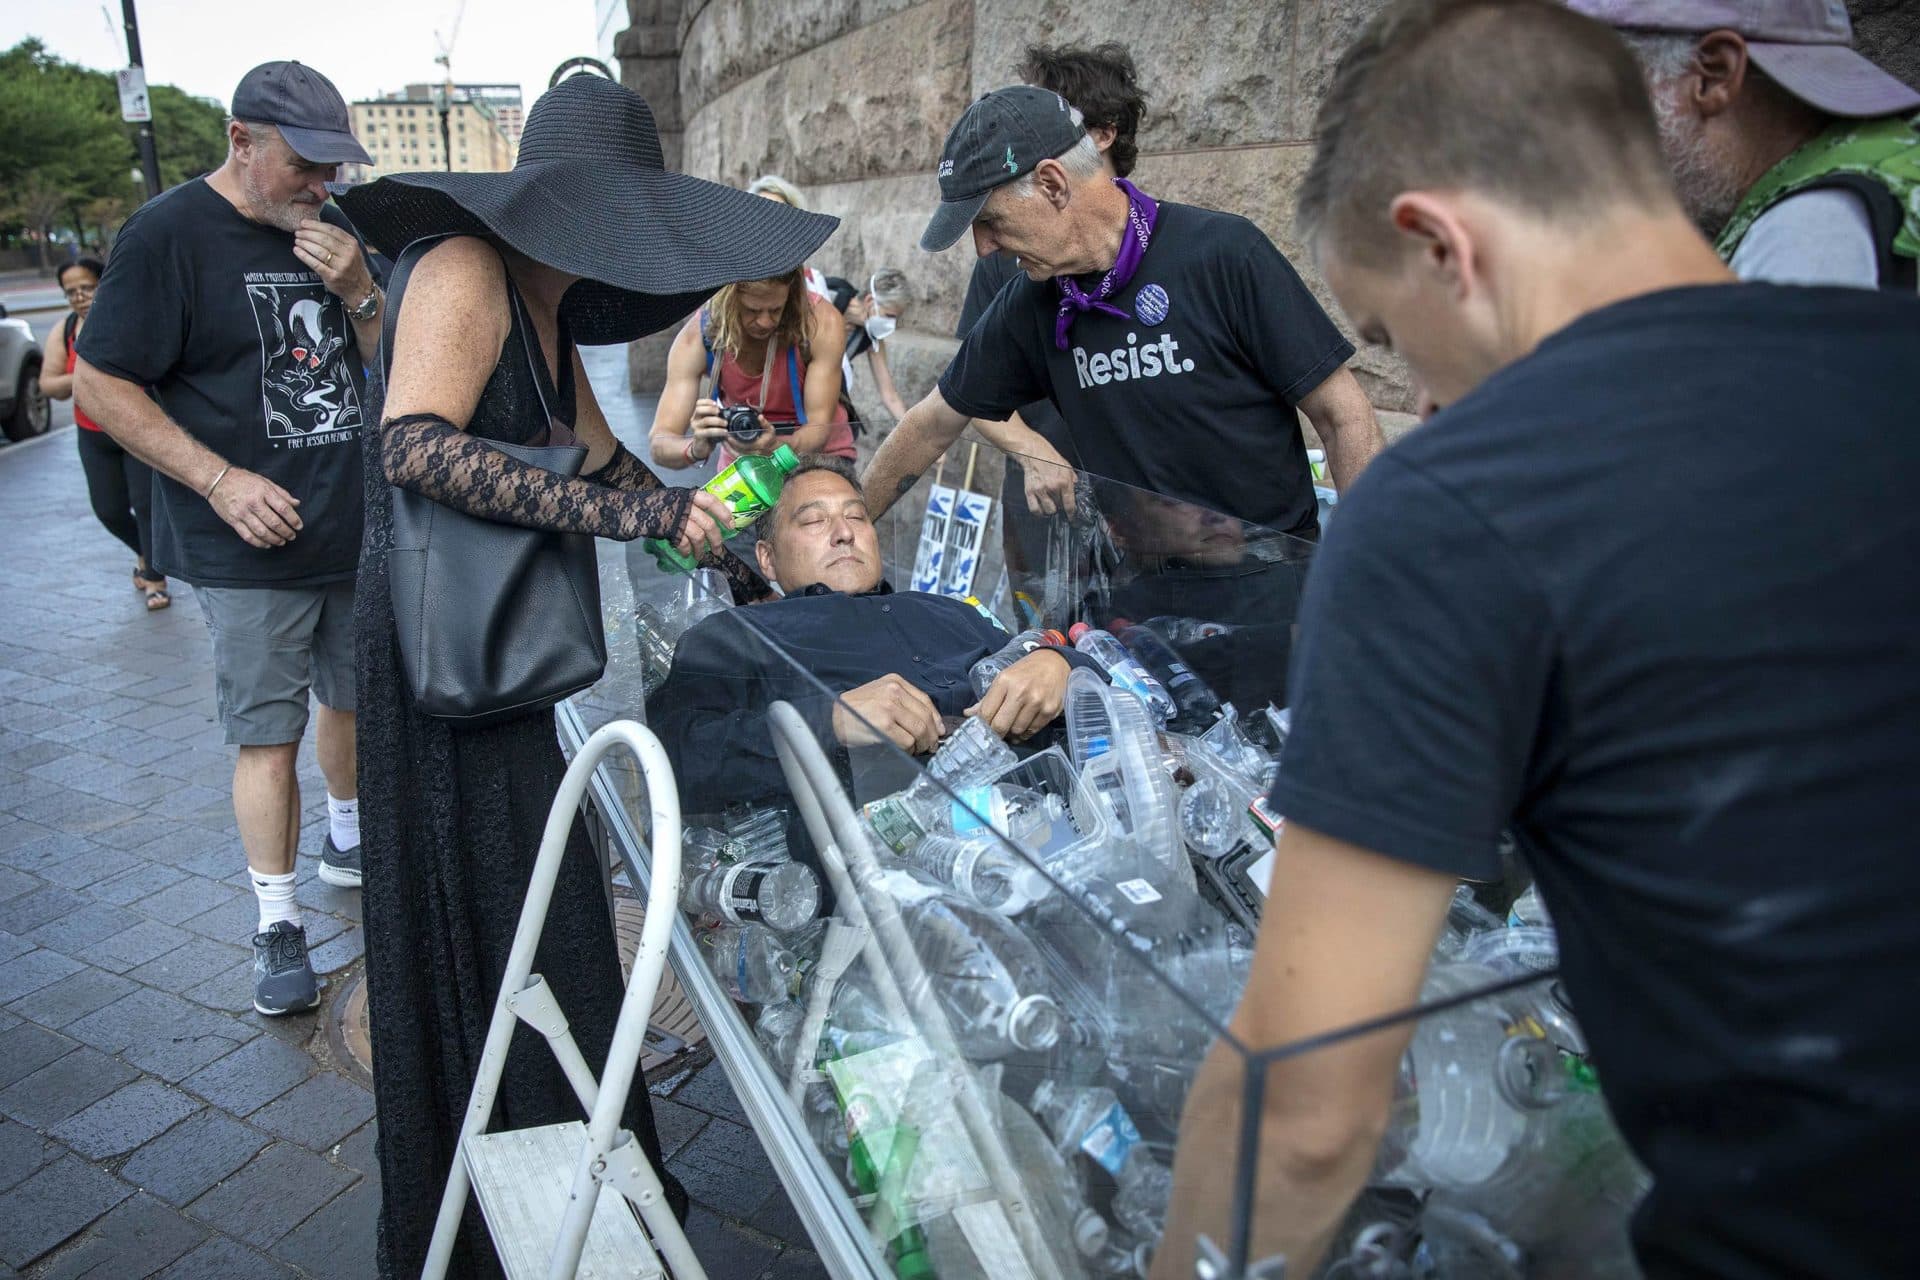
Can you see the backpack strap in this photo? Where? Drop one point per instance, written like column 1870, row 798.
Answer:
column 793, row 380
column 1884, row 214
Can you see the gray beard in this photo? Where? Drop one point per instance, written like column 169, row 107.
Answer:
column 1707, row 192
column 284, row 214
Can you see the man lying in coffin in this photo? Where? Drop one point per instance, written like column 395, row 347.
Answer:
column 897, row 661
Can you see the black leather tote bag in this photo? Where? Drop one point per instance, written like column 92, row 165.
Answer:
column 494, row 620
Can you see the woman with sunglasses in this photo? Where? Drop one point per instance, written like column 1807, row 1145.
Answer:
column 119, row 485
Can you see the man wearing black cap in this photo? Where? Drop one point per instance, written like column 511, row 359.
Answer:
column 1176, row 342
column 246, row 305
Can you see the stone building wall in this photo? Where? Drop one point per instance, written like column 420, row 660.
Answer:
column 851, row 100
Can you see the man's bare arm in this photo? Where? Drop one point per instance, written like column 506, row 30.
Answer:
column 927, row 431
column 260, row 511
column 1340, row 412
column 1346, row 938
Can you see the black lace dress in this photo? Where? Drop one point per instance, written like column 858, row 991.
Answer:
column 451, row 819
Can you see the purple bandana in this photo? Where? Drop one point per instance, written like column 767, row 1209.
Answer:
column 1142, row 213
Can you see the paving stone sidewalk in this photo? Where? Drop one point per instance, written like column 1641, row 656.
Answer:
column 151, row 1123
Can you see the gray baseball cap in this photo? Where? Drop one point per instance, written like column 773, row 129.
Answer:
column 1002, row 136
column 306, row 108
column 1806, row 45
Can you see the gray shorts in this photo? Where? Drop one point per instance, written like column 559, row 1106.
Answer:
column 271, row 645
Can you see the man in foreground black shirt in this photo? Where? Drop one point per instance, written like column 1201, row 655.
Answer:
column 1601, row 600
column 897, row 661
column 1177, row 342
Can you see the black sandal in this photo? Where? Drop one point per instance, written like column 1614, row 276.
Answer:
column 154, row 587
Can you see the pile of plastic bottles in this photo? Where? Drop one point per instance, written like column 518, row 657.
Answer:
column 993, row 1043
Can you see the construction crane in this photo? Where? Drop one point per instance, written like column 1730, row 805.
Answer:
column 445, row 59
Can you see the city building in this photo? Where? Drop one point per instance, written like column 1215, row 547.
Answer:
column 401, row 131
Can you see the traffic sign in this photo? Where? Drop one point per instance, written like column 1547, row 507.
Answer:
column 134, row 107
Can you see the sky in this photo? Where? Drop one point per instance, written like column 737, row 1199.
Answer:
column 365, row 47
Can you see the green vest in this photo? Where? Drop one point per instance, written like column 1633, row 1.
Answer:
column 1886, row 150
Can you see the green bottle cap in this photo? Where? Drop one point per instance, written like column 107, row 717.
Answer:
column 786, row 459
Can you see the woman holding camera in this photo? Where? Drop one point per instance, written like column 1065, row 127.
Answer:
column 767, row 353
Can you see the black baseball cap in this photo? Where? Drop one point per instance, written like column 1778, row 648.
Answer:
column 1001, row 137
column 306, row 108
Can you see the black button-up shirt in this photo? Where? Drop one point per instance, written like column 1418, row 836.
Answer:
column 805, row 649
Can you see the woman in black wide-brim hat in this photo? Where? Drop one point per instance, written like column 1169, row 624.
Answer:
column 589, row 239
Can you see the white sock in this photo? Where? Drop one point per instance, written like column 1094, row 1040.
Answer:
column 276, row 898
column 344, row 817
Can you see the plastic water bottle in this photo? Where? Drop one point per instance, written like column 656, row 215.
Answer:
column 988, row 669
column 749, row 487
column 780, row 895
column 778, row 1030
column 756, row 835
column 981, row 870
column 987, row 976
column 1475, row 1082
column 900, row 821
column 1528, row 911
column 1074, row 1235
column 971, row 754
column 1197, row 703
column 1090, row 1121
column 750, row 962
column 1125, row 670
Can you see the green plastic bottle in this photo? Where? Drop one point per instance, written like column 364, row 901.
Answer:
column 749, row 487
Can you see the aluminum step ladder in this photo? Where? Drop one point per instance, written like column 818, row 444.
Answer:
column 560, row 1200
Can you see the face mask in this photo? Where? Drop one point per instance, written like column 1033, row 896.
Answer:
column 880, row 327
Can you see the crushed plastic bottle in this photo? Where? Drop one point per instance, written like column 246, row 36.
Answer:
column 1529, row 911
column 783, row 896
column 971, row 754
column 1090, row 1122
column 900, row 821
column 757, row 835
column 987, row 977
column 981, row 870
column 1125, row 670
column 984, row 672
column 778, row 1030
column 1479, row 1087
column 750, row 962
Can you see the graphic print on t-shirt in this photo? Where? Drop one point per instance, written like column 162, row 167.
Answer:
column 306, row 391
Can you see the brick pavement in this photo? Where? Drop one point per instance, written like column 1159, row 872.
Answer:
column 151, row 1123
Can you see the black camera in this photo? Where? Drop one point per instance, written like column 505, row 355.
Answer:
column 743, row 422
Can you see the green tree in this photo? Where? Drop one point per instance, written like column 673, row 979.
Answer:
column 189, row 133
column 66, row 157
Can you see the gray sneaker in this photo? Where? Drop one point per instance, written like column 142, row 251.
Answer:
column 340, row 867
column 283, row 980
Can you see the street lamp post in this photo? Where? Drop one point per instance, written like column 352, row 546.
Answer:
column 149, row 157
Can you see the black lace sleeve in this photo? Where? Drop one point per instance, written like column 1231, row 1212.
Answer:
column 626, row 471
column 429, row 455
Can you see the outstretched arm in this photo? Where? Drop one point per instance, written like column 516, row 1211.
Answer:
column 1325, row 1110
column 447, row 340
column 927, row 431
column 1341, row 414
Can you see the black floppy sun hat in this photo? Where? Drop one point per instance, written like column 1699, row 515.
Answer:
column 590, row 195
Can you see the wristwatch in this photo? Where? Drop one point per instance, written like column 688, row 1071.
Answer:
column 369, row 306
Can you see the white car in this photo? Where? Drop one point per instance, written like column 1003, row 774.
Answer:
column 24, row 411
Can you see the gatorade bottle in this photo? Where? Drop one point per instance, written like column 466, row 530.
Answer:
column 749, row 487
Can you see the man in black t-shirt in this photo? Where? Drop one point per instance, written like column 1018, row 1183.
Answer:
column 1176, row 342
column 246, row 304
column 1600, row 600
